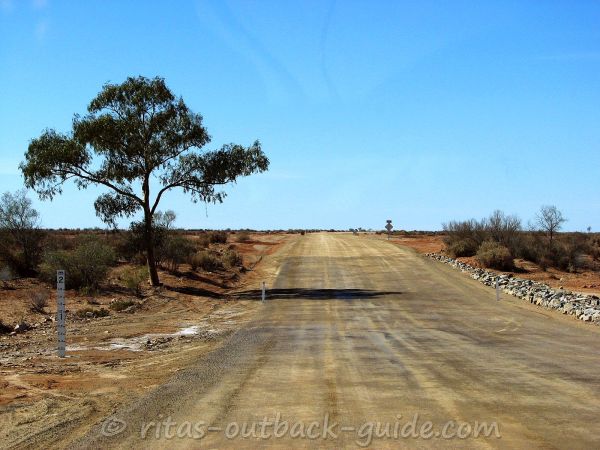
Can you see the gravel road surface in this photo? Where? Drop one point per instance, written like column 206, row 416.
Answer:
column 363, row 343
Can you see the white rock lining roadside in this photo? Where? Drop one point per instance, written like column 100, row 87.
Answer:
column 583, row 307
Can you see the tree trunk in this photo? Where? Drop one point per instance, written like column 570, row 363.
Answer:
column 150, row 258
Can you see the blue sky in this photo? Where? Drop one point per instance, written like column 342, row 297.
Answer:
column 415, row 111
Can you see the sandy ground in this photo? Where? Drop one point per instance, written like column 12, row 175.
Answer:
column 584, row 281
column 49, row 401
column 359, row 331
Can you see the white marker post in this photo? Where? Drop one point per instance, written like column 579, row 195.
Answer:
column 61, row 312
column 263, row 291
column 497, row 290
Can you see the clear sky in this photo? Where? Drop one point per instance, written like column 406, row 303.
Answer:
column 414, row 111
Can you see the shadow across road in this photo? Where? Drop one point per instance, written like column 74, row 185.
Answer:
column 313, row 294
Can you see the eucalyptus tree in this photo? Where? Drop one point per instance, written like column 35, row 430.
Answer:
column 138, row 141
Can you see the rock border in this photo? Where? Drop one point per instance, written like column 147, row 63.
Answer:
column 581, row 306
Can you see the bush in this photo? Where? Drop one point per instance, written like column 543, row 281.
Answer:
column 231, row 259
column 174, row 251
column 464, row 247
column 4, row 328
column 205, row 260
column 38, row 300
column 121, row 305
column 463, row 238
column 86, row 266
column 243, row 236
column 133, row 279
column 20, row 236
column 495, row 256
column 217, row 237
column 203, row 240
column 92, row 312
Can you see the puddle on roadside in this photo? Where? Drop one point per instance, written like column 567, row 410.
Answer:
column 139, row 343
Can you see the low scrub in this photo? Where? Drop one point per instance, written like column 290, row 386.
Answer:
column 38, row 300
column 4, row 328
column 174, row 251
column 121, row 305
column 217, row 237
column 463, row 247
column 203, row 240
column 92, row 313
column 205, row 260
column 495, row 256
column 231, row 259
column 86, row 266
column 134, row 279
column 243, row 236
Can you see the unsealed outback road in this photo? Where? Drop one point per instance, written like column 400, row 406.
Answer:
column 358, row 331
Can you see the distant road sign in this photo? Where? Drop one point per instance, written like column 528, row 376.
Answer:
column 389, row 227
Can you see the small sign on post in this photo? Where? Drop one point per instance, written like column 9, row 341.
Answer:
column 61, row 312
column 263, row 291
column 389, row 227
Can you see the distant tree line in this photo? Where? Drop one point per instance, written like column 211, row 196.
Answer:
column 500, row 238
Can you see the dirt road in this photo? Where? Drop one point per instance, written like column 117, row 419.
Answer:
column 371, row 338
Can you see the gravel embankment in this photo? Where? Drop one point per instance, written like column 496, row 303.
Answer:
column 581, row 306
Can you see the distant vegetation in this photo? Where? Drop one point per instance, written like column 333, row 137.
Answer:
column 89, row 256
column 495, row 241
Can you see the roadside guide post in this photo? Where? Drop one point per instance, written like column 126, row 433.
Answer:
column 389, row 227
column 263, row 291
column 61, row 312
column 497, row 290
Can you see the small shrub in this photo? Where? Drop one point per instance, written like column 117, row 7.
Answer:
column 203, row 240
column 38, row 300
column 92, row 312
column 86, row 266
column 243, row 236
column 4, row 328
column 121, row 305
column 231, row 259
column 464, row 247
column 544, row 263
column 134, row 279
column 205, row 260
column 217, row 237
column 175, row 250
column 495, row 256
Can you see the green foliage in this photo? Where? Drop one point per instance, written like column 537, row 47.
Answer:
column 134, row 243
column 231, row 259
column 205, row 260
column 134, row 278
column 175, row 250
column 86, row 266
column 495, row 256
column 134, row 133
column 121, row 305
column 20, row 237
